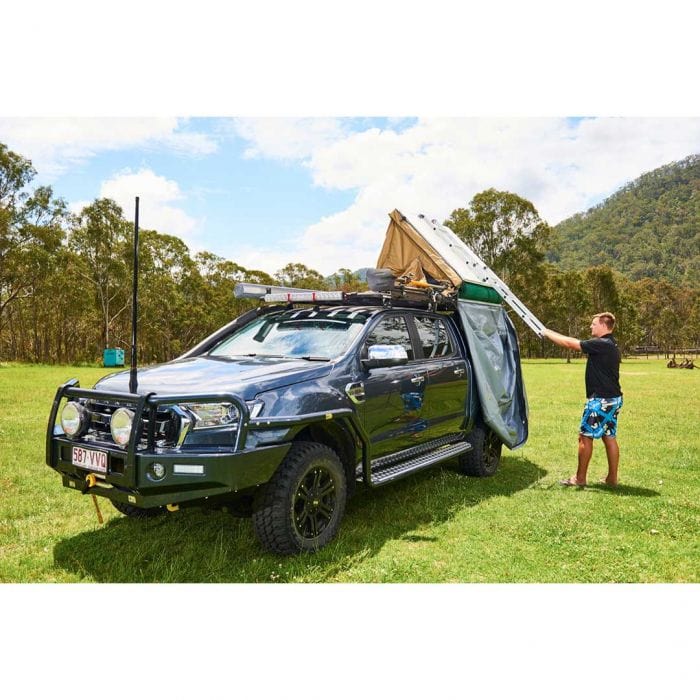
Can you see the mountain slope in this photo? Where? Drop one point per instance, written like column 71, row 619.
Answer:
column 648, row 228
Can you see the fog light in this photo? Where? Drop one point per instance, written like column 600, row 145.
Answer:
column 156, row 471
column 74, row 419
column 120, row 425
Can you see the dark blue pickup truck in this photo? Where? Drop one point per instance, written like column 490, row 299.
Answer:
column 281, row 413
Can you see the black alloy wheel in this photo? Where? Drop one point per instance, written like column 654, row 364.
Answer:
column 485, row 456
column 314, row 502
column 300, row 508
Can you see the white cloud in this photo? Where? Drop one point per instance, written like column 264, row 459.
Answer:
column 437, row 165
column 287, row 138
column 156, row 205
column 54, row 145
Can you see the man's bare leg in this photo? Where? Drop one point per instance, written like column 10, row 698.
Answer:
column 585, row 450
column 612, row 450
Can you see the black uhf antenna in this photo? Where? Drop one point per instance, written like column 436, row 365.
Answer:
column 133, row 382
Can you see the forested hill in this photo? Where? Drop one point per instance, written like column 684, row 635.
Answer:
column 648, row 228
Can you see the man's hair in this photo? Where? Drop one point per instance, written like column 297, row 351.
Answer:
column 607, row 318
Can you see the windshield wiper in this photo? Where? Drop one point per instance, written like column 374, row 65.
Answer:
column 257, row 354
column 311, row 358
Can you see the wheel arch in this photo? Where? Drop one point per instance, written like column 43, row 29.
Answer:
column 336, row 436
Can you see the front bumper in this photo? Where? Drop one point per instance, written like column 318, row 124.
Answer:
column 127, row 480
column 222, row 474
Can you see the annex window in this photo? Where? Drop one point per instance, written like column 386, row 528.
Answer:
column 391, row 331
column 434, row 338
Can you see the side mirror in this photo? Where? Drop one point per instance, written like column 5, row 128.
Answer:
column 385, row 356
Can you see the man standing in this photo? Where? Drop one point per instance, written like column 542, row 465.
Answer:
column 603, row 395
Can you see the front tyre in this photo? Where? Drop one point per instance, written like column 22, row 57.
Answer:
column 300, row 508
column 485, row 456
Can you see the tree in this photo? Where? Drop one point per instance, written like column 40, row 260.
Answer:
column 298, row 275
column 505, row 230
column 15, row 173
column 101, row 239
column 567, row 298
column 31, row 232
column 603, row 289
column 346, row 280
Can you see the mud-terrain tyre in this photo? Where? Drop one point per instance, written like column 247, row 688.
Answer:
column 136, row 512
column 485, row 456
column 300, row 508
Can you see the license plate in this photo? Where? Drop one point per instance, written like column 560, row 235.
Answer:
column 90, row 459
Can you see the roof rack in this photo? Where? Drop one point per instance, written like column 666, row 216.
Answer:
column 405, row 296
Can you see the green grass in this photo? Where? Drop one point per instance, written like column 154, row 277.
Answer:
column 436, row 526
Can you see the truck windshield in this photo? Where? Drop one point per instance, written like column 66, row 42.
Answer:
column 303, row 335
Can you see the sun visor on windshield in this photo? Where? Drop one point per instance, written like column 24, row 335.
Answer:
column 493, row 346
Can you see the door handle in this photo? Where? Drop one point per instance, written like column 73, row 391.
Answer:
column 459, row 372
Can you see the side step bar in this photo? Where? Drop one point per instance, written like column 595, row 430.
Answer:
column 383, row 473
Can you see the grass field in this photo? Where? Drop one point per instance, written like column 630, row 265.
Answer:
column 436, row 526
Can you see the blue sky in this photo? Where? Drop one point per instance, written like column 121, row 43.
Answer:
column 267, row 191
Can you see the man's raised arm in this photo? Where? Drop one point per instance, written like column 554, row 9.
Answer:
column 564, row 340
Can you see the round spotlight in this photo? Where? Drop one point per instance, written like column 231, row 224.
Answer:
column 156, row 471
column 74, row 419
column 120, row 425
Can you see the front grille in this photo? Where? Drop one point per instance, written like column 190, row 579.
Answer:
column 166, row 423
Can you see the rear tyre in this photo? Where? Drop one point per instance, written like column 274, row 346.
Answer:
column 300, row 508
column 136, row 512
column 485, row 456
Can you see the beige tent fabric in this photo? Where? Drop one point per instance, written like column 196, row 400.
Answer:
column 406, row 252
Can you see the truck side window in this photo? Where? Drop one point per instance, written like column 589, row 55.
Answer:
column 433, row 337
column 391, row 330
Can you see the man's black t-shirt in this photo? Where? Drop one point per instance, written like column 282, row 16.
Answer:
column 602, row 367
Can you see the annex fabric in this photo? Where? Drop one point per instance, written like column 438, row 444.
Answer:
column 495, row 355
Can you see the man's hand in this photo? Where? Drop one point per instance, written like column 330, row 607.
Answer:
column 563, row 340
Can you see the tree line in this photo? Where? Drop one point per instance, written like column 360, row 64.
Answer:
column 65, row 280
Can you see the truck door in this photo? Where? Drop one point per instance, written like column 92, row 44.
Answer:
column 446, row 375
column 394, row 403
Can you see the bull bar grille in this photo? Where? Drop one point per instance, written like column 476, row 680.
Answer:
column 158, row 408
column 166, row 423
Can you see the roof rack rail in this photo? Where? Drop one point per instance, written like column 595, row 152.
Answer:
column 401, row 296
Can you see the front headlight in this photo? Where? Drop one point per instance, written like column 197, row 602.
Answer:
column 212, row 415
column 75, row 419
column 120, row 425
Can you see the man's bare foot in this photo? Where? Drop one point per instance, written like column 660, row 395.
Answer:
column 571, row 481
column 612, row 484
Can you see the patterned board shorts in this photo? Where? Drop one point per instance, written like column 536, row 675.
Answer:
column 600, row 417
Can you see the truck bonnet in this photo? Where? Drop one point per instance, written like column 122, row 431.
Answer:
column 243, row 376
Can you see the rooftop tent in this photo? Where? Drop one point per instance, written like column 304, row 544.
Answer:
column 418, row 245
column 407, row 252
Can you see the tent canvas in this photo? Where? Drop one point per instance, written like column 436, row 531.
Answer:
column 406, row 252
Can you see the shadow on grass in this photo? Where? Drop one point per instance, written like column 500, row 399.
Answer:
column 196, row 546
column 623, row 490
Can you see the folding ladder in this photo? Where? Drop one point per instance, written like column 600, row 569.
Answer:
column 468, row 265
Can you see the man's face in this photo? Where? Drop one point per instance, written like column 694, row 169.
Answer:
column 598, row 328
